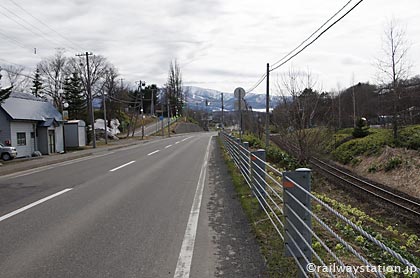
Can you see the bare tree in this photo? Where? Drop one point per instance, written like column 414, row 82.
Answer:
column 4, row 93
column 53, row 72
column 110, row 87
column 16, row 77
column 394, row 67
column 294, row 116
column 174, row 87
column 98, row 66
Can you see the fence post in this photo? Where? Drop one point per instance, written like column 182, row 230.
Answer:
column 301, row 176
column 245, row 157
column 258, row 172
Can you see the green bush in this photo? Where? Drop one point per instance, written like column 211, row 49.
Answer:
column 392, row 164
column 361, row 130
column 369, row 145
column 279, row 157
column 373, row 168
column 409, row 137
column 254, row 141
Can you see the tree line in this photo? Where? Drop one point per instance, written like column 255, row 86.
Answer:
column 307, row 115
column 64, row 80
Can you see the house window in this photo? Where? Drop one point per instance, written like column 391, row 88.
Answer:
column 21, row 138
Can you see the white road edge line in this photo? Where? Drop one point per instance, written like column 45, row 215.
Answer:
column 183, row 266
column 168, row 146
column 153, row 152
column 13, row 213
column 119, row 167
column 51, row 166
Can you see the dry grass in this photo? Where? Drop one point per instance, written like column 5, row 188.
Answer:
column 404, row 177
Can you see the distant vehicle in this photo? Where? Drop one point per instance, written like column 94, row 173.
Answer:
column 7, row 153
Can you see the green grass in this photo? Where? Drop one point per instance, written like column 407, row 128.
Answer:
column 409, row 137
column 345, row 149
column 274, row 154
column 271, row 245
column 369, row 145
column 393, row 236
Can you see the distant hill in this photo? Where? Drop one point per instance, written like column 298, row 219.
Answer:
column 196, row 98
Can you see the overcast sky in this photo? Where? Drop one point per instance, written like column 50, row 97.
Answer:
column 220, row 45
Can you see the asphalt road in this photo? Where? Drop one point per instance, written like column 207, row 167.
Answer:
column 133, row 212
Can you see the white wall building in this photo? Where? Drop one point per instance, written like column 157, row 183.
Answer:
column 31, row 124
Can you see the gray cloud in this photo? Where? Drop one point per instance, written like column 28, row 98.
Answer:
column 216, row 42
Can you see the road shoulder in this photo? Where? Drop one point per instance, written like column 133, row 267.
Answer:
column 225, row 246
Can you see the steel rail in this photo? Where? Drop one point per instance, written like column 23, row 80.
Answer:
column 367, row 186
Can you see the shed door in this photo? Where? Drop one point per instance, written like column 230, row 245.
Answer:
column 51, row 141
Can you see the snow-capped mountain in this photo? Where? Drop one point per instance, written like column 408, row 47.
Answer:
column 196, row 98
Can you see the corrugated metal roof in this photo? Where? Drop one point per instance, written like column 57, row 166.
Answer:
column 48, row 123
column 30, row 109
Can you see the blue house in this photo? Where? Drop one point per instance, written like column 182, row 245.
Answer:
column 31, row 124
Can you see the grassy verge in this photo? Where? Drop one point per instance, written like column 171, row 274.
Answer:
column 396, row 235
column 346, row 149
column 270, row 242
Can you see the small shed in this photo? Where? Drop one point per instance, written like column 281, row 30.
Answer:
column 31, row 124
column 75, row 133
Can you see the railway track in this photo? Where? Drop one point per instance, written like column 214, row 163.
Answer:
column 395, row 199
column 386, row 196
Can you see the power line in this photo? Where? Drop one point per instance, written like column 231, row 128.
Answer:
column 45, row 24
column 39, row 33
column 17, row 73
column 317, row 37
column 311, row 35
column 282, row 61
column 11, row 63
column 14, row 41
column 262, row 78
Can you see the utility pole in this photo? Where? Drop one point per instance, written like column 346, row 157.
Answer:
column 267, row 110
column 142, row 115
column 152, row 105
column 354, row 104
column 240, row 117
column 161, row 109
column 169, row 115
column 339, row 109
column 141, row 84
column 105, row 120
column 90, row 100
column 223, row 116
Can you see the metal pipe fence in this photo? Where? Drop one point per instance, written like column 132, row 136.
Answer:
column 316, row 245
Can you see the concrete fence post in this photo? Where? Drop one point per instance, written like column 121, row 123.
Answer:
column 258, row 172
column 301, row 176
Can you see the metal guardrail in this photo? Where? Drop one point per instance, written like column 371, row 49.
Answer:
column 286, row 198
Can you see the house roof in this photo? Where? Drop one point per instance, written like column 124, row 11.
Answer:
column 48, row 123
column 30, row 109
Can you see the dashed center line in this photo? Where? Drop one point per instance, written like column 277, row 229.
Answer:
column 177, row 142
column 168, row 146
column 186, row 139
column 119, row 167
column 153, row 152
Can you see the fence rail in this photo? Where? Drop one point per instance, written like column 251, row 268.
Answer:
column 309, row 237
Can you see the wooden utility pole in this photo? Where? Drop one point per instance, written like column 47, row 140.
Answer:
column 139, row 93
column 223, row 115
column 267, row 110
column 169, row 115
column 90, row 100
